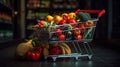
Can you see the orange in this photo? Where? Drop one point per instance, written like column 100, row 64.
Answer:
column 49, row 18
column 57, row 18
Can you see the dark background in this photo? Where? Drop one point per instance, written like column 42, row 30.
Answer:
column 105, row 44
column 108, row 27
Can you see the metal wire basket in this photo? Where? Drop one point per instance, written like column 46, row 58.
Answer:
column 79, row 45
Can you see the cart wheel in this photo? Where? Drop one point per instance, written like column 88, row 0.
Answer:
column 54, row 58
column 76, row 58
column 90, row 57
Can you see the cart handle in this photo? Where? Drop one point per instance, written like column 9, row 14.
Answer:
column 100, row 12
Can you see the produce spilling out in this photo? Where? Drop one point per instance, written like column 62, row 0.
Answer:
column 53, row 35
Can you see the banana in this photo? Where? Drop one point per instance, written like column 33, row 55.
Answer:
column 62, row 48
column 66, row 50
column 66, row 47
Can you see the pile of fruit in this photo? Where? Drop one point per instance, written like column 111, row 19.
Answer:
column 67, row 26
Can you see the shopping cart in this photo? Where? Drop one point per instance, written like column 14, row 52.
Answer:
column 79, row 45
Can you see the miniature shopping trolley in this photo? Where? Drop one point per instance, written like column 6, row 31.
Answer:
column 77, row 35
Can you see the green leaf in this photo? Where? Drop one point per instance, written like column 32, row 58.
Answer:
column 33, row 43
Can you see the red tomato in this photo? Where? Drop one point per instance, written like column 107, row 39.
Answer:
column 66, row 18
column 62, row 37
column 62, row 22
column 72, row 20
column 76, row 31
column 82, row 26
column 40, row 23
column 78, row 37
column 58, row 32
